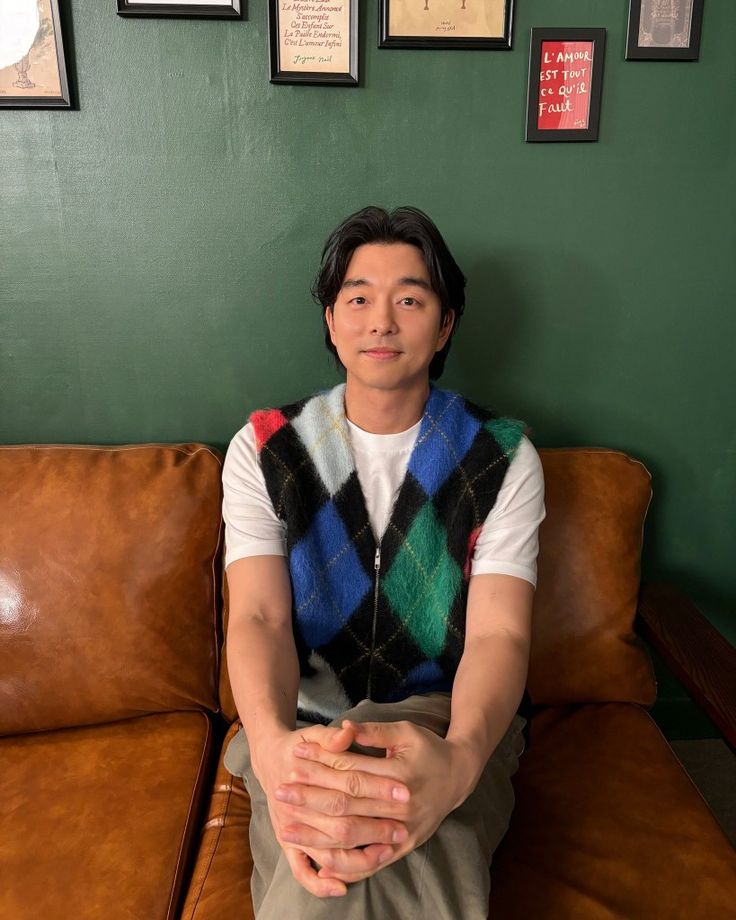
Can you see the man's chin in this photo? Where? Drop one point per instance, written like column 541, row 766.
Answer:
column 389, row 379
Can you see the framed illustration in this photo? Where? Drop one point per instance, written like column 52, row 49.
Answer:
column 314, row 42
column 565, row 76
column 664, row 30
column 224, row 9
column 33, row 72
column 460, row 24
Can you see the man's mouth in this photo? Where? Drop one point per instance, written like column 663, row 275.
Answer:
column 383, row 354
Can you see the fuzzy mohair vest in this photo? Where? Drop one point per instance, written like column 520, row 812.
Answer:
column 380, row 617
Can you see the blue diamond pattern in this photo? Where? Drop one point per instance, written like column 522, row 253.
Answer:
column 326, row 600
column 445, row 436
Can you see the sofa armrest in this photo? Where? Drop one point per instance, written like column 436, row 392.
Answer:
column 696, row 653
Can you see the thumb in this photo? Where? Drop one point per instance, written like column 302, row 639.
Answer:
column 374, row 734
column 339, row 739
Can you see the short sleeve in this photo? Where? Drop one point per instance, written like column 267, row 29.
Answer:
column 252, row 527
column 508, row 542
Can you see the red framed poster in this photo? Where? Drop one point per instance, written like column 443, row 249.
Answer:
column 565, row 74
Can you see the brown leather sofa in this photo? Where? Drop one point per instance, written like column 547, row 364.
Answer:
column 115, row 704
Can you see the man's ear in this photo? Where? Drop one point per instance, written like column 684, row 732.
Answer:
column 445, row 329
column 330, row 320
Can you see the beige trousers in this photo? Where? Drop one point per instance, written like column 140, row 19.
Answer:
column 446, row 878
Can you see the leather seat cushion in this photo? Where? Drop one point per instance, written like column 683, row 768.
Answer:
column 100, row 821
column 607, row 824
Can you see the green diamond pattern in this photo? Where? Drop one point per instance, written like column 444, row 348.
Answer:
column 423, row 582
column 507, row 431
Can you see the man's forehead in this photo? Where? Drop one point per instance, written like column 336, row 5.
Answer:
column 398, row 264
column 404, row 281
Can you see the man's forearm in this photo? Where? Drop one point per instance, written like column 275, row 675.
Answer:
column 264, row 675
column 489, row 684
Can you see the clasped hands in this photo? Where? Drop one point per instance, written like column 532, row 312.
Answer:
column 353, row 813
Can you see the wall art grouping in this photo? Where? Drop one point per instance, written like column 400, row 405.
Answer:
column 316, row 42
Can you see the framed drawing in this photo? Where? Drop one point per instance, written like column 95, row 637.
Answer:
column 33, row 72
column 462, row 24
column 311, row 41
column 664, row 30
column 565, row 76
column 214, row 9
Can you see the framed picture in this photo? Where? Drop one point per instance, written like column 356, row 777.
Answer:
column 461, row 24
column 565, row 76
column 33, row 72
column 664, row 30
column 225, row 9
column 311, row 41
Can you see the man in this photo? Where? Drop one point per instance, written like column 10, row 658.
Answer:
column 381, row 542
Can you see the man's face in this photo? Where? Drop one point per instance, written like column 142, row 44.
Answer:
column 385, row 322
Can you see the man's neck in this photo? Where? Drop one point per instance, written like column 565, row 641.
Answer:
column 385, row 411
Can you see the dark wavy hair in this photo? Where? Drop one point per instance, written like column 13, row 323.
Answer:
column 402, row 225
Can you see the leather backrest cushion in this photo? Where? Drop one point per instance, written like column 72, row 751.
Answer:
column 110, row 566
column 584, row 648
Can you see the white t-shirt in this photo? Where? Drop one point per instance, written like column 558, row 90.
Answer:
column 507, row 542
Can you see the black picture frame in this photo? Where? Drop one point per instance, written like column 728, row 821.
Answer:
column 643, row 9
column 538, row 37
column 445, row 42
column 224, row 9
column 279, row 73
column 63, row 100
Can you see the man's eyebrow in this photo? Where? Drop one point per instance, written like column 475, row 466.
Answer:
column 417, row 282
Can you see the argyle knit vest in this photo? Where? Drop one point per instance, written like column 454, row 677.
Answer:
column 380, row 616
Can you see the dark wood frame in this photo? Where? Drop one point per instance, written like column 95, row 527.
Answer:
column 385, row 40
column 636, row 53
column 315, row 78
column 698, row 655
column 47, row 102
column 538, row 36
column 227, row 9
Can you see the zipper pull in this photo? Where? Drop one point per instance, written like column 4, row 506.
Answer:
column 377, row 563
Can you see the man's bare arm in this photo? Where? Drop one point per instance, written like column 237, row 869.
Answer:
column 490, row 679
column 261, row 654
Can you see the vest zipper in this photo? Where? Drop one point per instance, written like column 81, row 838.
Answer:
column 377, row 569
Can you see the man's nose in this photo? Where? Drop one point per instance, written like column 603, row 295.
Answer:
column 383, row 320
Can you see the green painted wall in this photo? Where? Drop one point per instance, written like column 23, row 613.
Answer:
column 157, row 246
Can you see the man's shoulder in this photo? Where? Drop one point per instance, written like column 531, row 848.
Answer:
column 291, row 409
column 309, row 409
column 452, row 401
column 505, row 430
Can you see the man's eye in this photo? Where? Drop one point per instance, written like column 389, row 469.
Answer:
column 356, row 299
column 413, row 301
